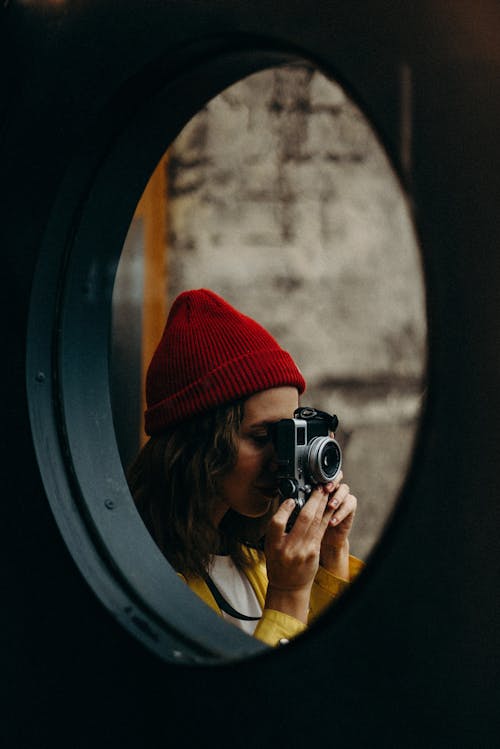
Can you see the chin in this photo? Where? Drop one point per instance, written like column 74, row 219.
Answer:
column 260, row 509
column 272, row 505
column 259, row 513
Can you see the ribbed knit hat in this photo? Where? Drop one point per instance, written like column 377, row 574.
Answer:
column 211, row 354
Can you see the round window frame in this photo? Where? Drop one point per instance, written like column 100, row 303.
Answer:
column 68, row 360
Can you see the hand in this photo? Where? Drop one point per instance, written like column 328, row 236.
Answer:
column 292, row 558
column 335, row 544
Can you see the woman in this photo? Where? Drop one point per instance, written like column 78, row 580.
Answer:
column 205, row 483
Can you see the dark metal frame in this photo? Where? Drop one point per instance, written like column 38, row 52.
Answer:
column 68, row 367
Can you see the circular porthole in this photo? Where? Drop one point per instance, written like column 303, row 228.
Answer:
column 69, row 366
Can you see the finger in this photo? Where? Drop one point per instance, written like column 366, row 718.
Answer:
column 338, row 480
column 332, row 486
column 277, row 524
column 347, row 509
column 314, row 517
column 316, row 505
column 339, row 496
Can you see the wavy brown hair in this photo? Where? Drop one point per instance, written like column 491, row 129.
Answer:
column 175, row 483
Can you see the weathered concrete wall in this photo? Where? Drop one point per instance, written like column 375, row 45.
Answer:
column 282, row 201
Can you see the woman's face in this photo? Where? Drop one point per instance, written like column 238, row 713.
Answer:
column 250, row 487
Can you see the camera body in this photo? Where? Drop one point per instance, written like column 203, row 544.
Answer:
column 306, row 454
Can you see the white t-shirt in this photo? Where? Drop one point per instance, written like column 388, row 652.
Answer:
column 234, row 586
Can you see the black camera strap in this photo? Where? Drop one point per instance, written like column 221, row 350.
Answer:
column 225, row 605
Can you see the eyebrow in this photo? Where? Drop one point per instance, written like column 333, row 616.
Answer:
column 264, row 423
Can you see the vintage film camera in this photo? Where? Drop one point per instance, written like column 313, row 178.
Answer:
column 306, row 454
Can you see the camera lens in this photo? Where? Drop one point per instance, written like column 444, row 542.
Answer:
column 325, row 459
column 328, row 458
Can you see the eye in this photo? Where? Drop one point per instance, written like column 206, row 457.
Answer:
column 261, row 439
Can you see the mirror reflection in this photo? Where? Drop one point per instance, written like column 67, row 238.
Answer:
column 276, row 239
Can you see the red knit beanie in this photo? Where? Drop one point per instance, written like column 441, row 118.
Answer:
column 211, row 354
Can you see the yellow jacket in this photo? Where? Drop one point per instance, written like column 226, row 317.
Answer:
column 275, row 625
